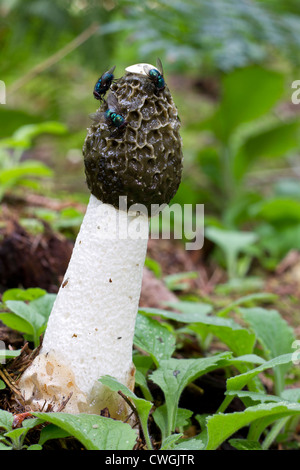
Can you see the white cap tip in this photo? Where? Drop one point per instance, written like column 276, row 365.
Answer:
column 139, row 68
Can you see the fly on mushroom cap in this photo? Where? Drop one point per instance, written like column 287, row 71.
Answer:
column 144, row 162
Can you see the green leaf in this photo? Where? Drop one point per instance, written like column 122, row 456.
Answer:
column 16, row 323
column 142, row 406
column 247, row 94
column 277, row 210
column 191, row 311
column 160, row 416
column 23, row 294
column 173, row 375
column 142, row 364
column 93, row 431
column 29, row 318
column 245, row 444
column 221, row 426
column 190, row 307
column 248, row 299
column 35, row 447
column 239, row 340
column 240, row 381
column 254, row 397
column 154, row 266
column 179, row 281
column 24, row 135
column 52, row 432
column 24, row 169
column 6, row 420
column 153, row 338
column 5, row 447
column 232, row 243
column 274, row 142
column 170, row 442
column 275, row 335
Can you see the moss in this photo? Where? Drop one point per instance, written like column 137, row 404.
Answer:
column 143, row 160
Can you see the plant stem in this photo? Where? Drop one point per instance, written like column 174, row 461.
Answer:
column 276, row 428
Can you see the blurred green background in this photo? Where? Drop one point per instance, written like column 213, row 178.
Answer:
column 229, row 64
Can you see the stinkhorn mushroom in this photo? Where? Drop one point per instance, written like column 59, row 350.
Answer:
column 91, row 327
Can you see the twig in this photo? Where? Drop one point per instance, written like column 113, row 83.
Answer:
column 9, row 381
column 131, row 405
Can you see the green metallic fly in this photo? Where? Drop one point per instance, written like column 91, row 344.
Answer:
column 112, row 116
column 156, row 75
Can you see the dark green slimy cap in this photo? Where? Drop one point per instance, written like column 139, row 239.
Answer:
column 142, row 161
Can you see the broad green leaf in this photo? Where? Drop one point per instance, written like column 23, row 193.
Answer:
column 160, row 416
column 5, row 447
column 191, row 312
column 26, row 312
column 24, row 135
column 291, row 394
column 142, row 365
column 2, row 384
column 247, row 94
column 179, row 281
column 248, row 299
column 274, row 142
column 16, row 323
column 232, row 243
column 6, row 420
column 178, row 442
column 23, row 294
column 189, row 307
column 30, row 318
column 154, row 266
column 277, row 209
column 240, row 381
column 221, row 426
column 173, row 375
column 239, row 340
column 275, row 335
column 35, row 447
column 153, row 338
column 43, row 306
column 254, row 397
column 142, row 406
column 24, row 169
column 245, row 444
column 93, row 431
column 52, row 432
column 170, row 441
column 190, row 444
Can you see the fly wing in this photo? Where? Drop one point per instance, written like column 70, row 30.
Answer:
column 112, row 103
column 159, row 66
column 111, row 70
column 98, row 116
column 147, row 68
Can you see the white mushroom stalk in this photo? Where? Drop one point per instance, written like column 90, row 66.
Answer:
column 91, row 327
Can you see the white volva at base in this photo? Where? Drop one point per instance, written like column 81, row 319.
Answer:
column 91, row 327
